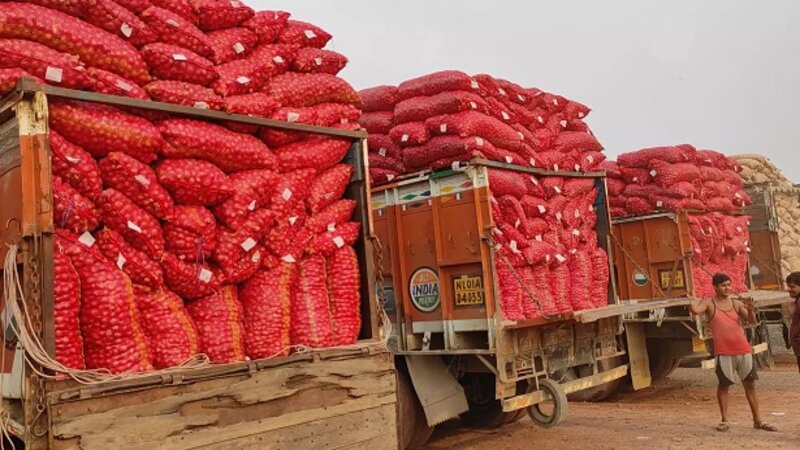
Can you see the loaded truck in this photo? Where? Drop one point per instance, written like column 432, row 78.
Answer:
column 342, row 397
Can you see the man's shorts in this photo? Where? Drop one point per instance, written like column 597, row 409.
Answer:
column 731, row 367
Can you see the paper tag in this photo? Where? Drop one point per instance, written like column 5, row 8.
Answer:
column 456, row 165
column 389, row 177
column 532, row 162
column 256, row 257
column 513, row 246
column 243, row 80
column 557, row 189
column 54, row 74
column 581, row 115
column 555, row 101
column 573, row 251
column 577, row 167
column 521, row 136
column 236, row 4
column 87, row 239
column 293, row 220
column 479, row 141
column 126, row 30
column 538, row 237
column 310, row 34
column 540, row 119
column 179, row 57
column 560, row 258
column 542, row 209
column 292, row 117
column 473, row 105
column 517, row 223
column 505, row 115
column 121, row 260
column 577, row 213
column 653, row 173
column 497, row 231
column 73, row 160
column 252, row 206
column 278, row 60
column 331, row 227
column 576, row 232
column 248, row 244
column 635, row 179
column 737, row 195
column 238, row 48
column 501, row 91
column 563, row 123
column 559, row 216
column 205, row 275
column 344, row 120
column 590, row 159
column 288, row 259
column 443, row 128
column 124, row 86
column 474, row 84
column 201, row 105
column 509, row 159
column 404, row 138
column 134, row 227
column 534, row 180
column 318, row 60
column 338, row 241
column 173, row 23
column 141, row 179
column 738, row 229
column 556, row 167
column 286, row 194
column 547, row 258
column 521, row 97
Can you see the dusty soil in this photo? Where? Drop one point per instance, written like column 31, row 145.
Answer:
column 677, row 413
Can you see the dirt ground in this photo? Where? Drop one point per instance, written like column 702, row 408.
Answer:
column 679, row 412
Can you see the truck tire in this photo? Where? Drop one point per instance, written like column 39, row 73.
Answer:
column 414, row 429
column 560, row 405
column 661, row 363
column 485, row 411
column 596, row 393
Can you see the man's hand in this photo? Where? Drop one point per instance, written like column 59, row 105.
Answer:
column 749, row 303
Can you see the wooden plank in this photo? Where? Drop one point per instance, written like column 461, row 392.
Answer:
column 638, row 357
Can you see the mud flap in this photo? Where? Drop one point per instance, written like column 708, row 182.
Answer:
column 637, row 354
column 441, row 396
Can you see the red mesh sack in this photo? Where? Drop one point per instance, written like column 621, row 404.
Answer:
column 137, row 6
column 136, row 181
column 553, row 187
column 510, row 292
column 534, row 206
column 9, row 78
column 76, row 8
column 600, row 277
column 70, row 35
column 292, row 189
column 218, row 318
column 378, row 98
column 179, row 7
column 257, row 104
column 170, row 62
column 617, row 211
column 419, row 109
column 440, row 147
column 574, row 187
column 248, row 75
column 506, row 182
column 615, row 187
column 611, row 168
column 43, row 63
column 711, row 174
column 185, row 94
column 232, row 44
column 267, row 25
column 71, row 210
column 580, row 271
column 288, row 236
column 328, row 243
column 540, row 287
column 638, row 206
column 100, row 129
column 408, row 134
column 329, row 217
column 318, row 153
column 380, row 122
column 631, row 176
column 539, row 252
column 252, row 189
column 383, row 145
column 309, row 89
column 720, row 204
column 314, row 60
column 142, row 270
column 434, row 83
column 110, row 16
column 344, row 290
column 666, row 175
column 335, row 114
column 194, row 182
column 513, row 213
column 673, row 155
column 221, row 14
column 228, row 150
column 112, row 336
column 171, row 28
column 712, row 158
column 266, row 301
column 304, row 34
column 75, row 166
column 560, row 288
column 328, row 187
column 311, row 317
column 472, row 123
column 381, row 176
column 643, row 191
column 276, row 137
column 105, row 82
column 141, row 230
column 242, row 243
column 589, row 161
column 171, row 333
column 191, row 233
column 190, row 280
column 529, row 303
column 575, row 140
column 66, row 310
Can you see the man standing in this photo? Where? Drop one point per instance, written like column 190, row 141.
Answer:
column 733, row 354
column 793, row 287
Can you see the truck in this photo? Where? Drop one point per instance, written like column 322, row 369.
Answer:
column 342, row 397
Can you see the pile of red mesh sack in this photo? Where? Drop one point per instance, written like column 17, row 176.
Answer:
column 720, row 244
column 445, row 118
column 184, row 236
column 677, row 178
column 548, row 260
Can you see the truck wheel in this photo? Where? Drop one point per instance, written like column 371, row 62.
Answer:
column 661, row 364
column 596, row 393
column 540, row 413
column 485, row 411
column 414, row 429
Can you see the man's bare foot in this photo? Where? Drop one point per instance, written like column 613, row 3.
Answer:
column 764, row 426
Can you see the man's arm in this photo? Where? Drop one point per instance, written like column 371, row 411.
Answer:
column 699, row 307
column 746, row 309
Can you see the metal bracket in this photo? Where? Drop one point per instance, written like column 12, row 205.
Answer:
column 426, row 341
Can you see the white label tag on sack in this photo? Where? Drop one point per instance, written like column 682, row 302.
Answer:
column 517, row 224
column 577, row 213
column 134, row 227
column 382, row 151
column 556, row 167
column 256, row 257
column 561, row 258
column 310, row 34
column 238, row 48
column 173, row 23
column 555, row 101
column 557, row 189
column 563, row 123
column 443, row 128
column 581, row 115
column 521, row 136
column 126, row 30
column 505, row 115
column 251, row 206
column 573, row 251
column 513, row 246
column 635, row 179
column 538, row 237
column 73, row 160
column 288, row 259
column 389, row 177
column 292, row 117
column 141, row 179
column 293, row 220
column 509, row 159
column 474, row 84
column 338, row 241
column 653, row 173
column 404, row 138
column 590, row 159
column 540, row 119
column 87, row 239
column 344, row 120
column 738, row 229
column 121, row 260
column 534, row 181
column 286, row 194
column 542, row 209
column 201, row 105
column 318, row 60
column 521, row 97
column 236, row 4
column 497, row 231
column 205, row 275
column 456, row 165
column 737, row 195
column 124, row 86
column 243, row 80
column 577, row 167
column 501, row 91
column 248, row 244
column 54, row 74
column 479, row 141
column 547, row 258
column 278, row 60
column 559, row 216
column 659, row 204
column 179, row 57
column 532, row 162
column 331, row 227
column 576, row 232
column 473, row 105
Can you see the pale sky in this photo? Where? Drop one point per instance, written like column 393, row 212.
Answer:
column 720, row 74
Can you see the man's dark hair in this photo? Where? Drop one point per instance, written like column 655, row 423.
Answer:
column 793, row 278
column 719, row 278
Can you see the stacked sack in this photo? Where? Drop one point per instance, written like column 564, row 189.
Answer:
column 450, row 117
column 178, row 236
column 385, row 158
column 675, row 178
column 720, row 244
column 757, row 170
column 548, row 257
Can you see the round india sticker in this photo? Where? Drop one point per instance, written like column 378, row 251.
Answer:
column 424, row 289
column 640, row 277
